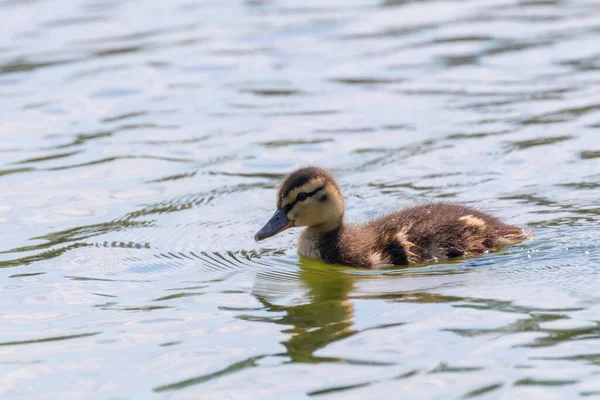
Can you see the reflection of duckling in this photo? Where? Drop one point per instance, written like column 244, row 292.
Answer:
column 310, row 197
column 312, row 325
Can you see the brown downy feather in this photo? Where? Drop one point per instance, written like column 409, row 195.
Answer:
column 416, row 235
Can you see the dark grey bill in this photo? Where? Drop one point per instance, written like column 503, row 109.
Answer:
column 279, row 222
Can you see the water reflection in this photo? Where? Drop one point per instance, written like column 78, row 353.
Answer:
column 324, row 313
column 324, row 316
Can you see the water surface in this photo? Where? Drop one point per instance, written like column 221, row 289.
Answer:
column 141, row 146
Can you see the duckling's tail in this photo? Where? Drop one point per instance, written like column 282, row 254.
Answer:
column 512, row 235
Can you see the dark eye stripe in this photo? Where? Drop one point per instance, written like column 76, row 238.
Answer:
column 288, row 207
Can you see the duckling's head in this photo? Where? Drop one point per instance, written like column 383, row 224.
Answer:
column 308, row 197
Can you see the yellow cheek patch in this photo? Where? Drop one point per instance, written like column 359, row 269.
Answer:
column 306, row 188
column 472, row 221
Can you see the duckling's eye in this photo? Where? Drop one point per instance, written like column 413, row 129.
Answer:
column 302, row 196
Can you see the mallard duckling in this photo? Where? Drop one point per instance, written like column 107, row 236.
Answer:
column 310, row 197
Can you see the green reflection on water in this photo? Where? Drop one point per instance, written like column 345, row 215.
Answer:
column 328, row 316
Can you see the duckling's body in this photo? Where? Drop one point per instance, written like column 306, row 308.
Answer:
column 413, row 235
column 310, row 197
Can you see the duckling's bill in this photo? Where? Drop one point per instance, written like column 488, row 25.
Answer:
column 279, row 222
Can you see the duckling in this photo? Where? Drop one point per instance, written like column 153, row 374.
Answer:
column 309, row 197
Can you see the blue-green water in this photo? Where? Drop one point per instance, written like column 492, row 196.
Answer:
column 141, row 146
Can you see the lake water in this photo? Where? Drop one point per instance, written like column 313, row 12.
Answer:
column 141, row 146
